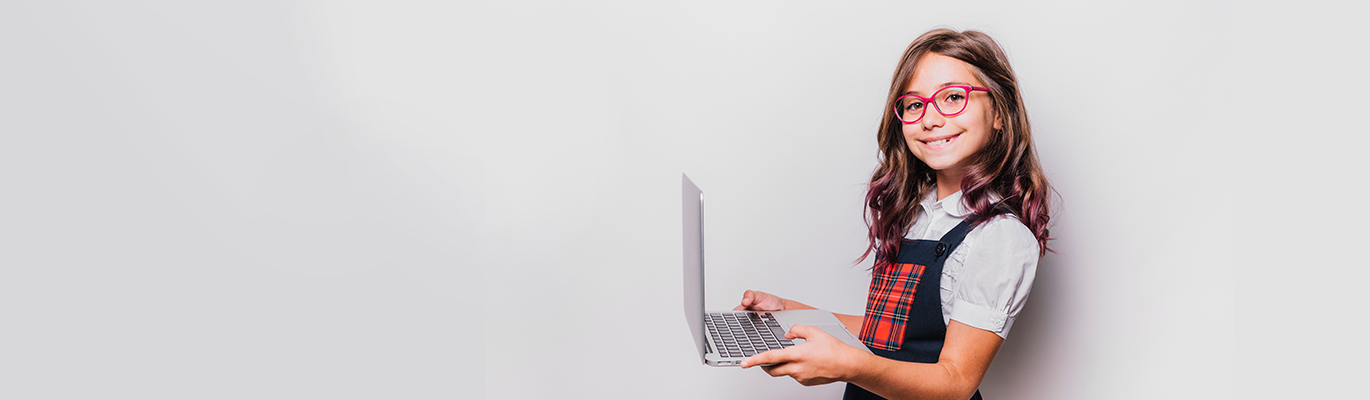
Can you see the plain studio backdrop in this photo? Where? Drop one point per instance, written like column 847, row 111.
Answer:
column 482, row 199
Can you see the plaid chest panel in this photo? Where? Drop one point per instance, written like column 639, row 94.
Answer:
column 887, row 307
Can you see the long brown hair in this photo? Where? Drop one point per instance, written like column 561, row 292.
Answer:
column 1006, row 166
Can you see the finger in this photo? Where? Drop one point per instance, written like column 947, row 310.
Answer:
column 766, row 357
column 808, row 333
column 777, row 370
column 747, row 297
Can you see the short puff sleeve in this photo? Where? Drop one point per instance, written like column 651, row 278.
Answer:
column 996, row 277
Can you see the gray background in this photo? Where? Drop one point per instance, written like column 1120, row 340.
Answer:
column 440, row 200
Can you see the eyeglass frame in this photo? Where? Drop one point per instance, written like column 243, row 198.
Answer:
column 898, row 113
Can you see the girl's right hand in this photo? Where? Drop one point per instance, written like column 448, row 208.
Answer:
column 757, row 300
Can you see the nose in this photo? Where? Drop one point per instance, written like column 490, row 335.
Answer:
column 933, row 118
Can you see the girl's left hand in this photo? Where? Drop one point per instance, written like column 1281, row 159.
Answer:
column 821, row 359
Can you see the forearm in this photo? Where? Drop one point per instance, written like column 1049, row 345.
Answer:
column 966, row 355
column 794, row 305
column 895, row 379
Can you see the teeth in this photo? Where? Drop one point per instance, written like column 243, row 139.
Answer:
column 934, row 143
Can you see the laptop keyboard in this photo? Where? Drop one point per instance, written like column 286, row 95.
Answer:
column 745, row 334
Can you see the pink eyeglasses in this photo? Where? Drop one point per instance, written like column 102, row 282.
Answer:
column 910, row 108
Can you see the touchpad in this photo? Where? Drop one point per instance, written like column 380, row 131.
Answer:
column 835, row 330
column 841, row 333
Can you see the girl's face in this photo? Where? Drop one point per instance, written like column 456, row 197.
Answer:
column 947, row 143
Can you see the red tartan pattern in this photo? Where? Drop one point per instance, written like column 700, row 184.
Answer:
column 887, row 308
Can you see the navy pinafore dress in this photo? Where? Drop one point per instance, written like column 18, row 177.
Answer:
column 898, row 324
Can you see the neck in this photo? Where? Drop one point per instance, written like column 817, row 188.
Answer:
column 948, row 182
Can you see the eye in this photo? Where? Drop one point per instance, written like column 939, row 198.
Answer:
column 955, row 98
column 913, row 105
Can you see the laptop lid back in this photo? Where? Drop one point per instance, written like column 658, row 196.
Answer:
column 692, row 209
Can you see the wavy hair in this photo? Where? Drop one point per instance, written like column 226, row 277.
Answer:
column 1006, row 166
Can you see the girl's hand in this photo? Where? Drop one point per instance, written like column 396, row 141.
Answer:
column 757, row 300
column 821, row 359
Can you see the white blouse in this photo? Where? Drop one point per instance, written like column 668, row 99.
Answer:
column 986, row 280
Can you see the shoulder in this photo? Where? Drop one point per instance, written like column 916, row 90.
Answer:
column 1005, row 231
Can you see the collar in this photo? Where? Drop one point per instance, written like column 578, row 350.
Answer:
column 952, row 204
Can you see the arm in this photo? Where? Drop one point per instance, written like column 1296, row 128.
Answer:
column 822, row 359
column 761, row 301
column 994, row 286
column 989, row 297
column 965, row 358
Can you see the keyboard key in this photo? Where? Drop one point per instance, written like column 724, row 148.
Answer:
column 779, row 333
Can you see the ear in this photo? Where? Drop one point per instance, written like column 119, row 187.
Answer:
column 998, row 122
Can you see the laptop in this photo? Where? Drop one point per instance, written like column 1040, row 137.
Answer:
column 725, row 338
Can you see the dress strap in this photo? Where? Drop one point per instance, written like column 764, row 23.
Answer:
column 956, row 235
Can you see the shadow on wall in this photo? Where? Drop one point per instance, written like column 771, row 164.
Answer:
column 1036, row 340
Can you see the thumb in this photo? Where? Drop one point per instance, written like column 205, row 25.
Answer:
column 800, row 332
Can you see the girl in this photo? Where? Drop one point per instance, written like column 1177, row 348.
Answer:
column 957, row 221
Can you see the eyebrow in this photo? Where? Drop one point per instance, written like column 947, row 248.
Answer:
column 939, row 87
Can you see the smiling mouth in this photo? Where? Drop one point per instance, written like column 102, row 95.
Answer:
column 940, row 142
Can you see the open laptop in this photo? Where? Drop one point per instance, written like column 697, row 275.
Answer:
column 725, row 338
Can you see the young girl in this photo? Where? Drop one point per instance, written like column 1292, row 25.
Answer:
column 957, row 217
